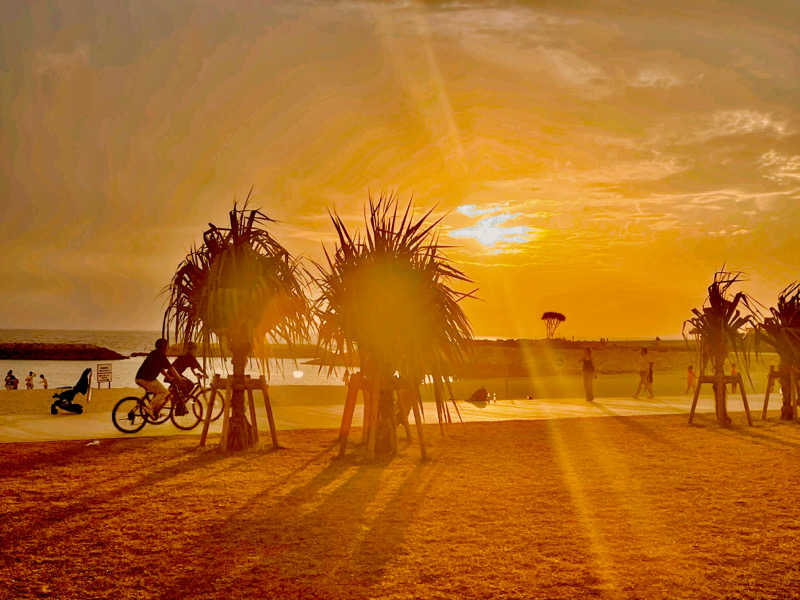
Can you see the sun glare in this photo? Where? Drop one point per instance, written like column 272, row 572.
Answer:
column 493, row 231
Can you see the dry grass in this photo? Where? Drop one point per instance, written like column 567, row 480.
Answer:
column 644, row 507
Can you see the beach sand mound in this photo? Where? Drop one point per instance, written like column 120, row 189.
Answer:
column 644, row 507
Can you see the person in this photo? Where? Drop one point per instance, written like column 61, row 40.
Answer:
column 691, row 380
column 156, row 363
column 645, row 375
column 733, row 374
column 588, row 374
column 187, row 360
column 29, row 380
column 43, row 380
column 11, row 381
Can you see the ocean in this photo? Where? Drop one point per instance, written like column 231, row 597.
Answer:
column 66, row 372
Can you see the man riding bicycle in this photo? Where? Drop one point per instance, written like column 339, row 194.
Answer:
column 187, row 360
column 154, row 365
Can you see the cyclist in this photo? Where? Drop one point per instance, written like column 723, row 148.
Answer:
column 155, row 364
column 187, row 360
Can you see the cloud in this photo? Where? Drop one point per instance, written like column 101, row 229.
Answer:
column 473, row 211
column 653, row 77
column 779, row 167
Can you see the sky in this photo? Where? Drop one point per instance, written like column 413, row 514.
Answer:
column 600, row 159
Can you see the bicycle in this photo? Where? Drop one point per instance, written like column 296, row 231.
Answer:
column 203, row 394
column 131, row 413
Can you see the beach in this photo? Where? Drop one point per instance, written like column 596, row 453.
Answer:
column 619, row 507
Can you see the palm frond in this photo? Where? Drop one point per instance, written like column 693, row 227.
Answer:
column 241, row 286
column 388, row 295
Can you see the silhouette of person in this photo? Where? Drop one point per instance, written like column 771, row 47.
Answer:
column 588, row 374
column 691, row 380
column 645, row 375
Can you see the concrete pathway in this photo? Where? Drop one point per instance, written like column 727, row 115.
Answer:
column 96, row 425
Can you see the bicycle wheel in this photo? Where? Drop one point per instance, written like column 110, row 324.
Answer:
column 163, row 414
column 193, row 413
column 204, row 396
column 128, row 415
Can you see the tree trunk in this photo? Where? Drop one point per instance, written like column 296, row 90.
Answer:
column 240, row 431
column 720, row 394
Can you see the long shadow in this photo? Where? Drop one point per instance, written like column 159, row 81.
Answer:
column 273, row 519
column 51, row 516
column 751, row 432
column 54, row 454
column 389, row 528
column 635, row 425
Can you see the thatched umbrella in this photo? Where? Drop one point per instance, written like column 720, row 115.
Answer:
column 240, row 289
column 386, row 296
column 718, row 328
column 551, row 322
column 781, row 331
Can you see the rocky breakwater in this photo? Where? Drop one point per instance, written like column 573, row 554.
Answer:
column 31, row 351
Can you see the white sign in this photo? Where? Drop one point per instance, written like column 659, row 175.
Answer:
column 104, row 374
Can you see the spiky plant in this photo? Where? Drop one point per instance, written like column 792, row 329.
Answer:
column 719, row 330
column 387, row 296
column 240, row 289
column 781, row 332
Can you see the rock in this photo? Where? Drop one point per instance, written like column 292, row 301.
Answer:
column 31, row 351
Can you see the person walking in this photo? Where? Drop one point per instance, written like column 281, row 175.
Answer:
column 588, row 374
column 43, row 380
column 29, row 380
column 645, row 375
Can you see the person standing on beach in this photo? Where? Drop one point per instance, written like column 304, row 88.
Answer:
column 29, row 380
column 691, row 380
column 43, row 380
column 11, row 381
column 733, row 374
column 154, row 365
column 645, row 375
column 588, row 374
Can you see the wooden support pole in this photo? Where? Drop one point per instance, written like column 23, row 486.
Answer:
column 209, row 409
column 226, row 408
column 694, row 400
column 372, row 435
column 415, row 404
column 273, row 431
column 353, row 387
column 744, row 400
column 770, row 380
column 793, row 391
column 252, row 410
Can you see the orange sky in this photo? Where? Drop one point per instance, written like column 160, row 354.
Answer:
column 600, row 161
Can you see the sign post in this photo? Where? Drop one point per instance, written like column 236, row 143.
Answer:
column 104, row 374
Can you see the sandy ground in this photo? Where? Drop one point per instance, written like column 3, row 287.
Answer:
column 24, row 415
column 619, row 507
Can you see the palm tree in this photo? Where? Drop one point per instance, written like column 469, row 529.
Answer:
column 240, row 289
column 781, row 331
column 386, row 296
column 719, row 330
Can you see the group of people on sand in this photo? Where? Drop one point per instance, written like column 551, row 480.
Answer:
column 12, row 383
column 645, row 369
